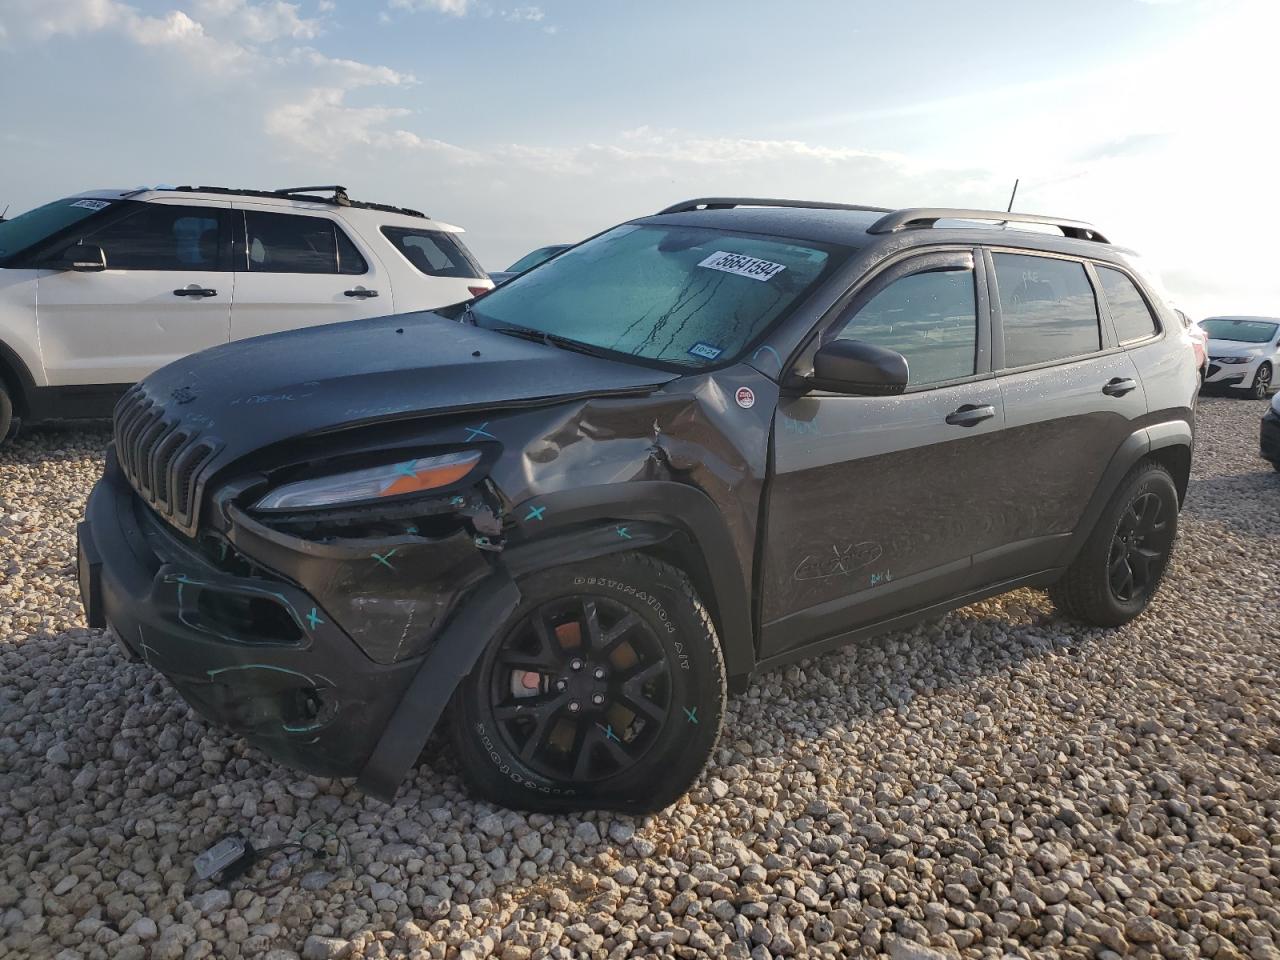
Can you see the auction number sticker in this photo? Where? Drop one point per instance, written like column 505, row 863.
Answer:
column 739, row 263
column 705, row 350
column 92, row 204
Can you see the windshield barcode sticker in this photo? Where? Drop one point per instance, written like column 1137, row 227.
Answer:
column 742, row 265
column 92, row 204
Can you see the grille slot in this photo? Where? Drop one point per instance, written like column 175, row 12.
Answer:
column 161, row 458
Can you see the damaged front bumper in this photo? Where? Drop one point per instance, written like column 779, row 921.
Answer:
column 309, row 663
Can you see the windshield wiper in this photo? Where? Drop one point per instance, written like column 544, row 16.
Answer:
column 552, row 340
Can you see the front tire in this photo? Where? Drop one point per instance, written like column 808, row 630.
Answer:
column 1261, row 385
column 1125, row 557
column 604, row 690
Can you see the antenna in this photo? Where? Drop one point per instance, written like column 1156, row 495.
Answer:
column 5, row 211
column 1012, row 195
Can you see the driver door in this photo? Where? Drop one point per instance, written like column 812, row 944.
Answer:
column 166, row 293
column 878, row 502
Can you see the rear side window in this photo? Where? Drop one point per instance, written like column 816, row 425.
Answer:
column 434, row 252
column 288, row 243
column 1129, row 311
column 162, row 236
column 1048, row 309
column 930, row 318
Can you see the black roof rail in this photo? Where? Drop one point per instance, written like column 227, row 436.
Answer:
column 727, row 203
column 339, row 198
column 913, row 217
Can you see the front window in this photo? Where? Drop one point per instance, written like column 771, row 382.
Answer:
column 1241, row 331
column 35, row 226
column 931, row 318
column 676, row 295
column 161, row 236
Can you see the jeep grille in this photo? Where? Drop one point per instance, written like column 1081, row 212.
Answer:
column 161, row 457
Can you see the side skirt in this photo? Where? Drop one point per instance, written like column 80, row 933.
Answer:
column 94, row 401
column 1038, row 579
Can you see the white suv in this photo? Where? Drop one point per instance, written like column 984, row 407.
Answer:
column 100, row 289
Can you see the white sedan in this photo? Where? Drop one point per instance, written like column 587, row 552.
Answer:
column 1243, row 353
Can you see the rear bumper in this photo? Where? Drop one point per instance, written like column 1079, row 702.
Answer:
column 258, row 656
column 1270, row 437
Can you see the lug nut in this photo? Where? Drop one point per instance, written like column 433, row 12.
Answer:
column 599, row 673
column 561, row 684
column 574, row 706
column 597, row 698
column 576, row 664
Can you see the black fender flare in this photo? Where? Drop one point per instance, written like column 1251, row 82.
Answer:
column 1143, row 442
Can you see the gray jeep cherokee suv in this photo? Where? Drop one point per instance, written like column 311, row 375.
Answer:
column 580, row 508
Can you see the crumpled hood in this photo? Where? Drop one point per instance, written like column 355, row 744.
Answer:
column 251, row 393
column 1234, row 348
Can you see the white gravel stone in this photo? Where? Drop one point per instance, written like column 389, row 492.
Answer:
column 996, row 782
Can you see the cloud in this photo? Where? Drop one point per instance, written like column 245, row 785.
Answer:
column 349, row 74
column 527, row 14
column 454, row 8
column 259, row 23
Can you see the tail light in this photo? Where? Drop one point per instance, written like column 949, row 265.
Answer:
column 479, row 291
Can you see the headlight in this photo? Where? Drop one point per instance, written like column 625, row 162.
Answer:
column 372, row 483
column 1232, row 359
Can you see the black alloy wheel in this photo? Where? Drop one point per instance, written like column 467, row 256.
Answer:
column 1139, row 548
column 580, row 688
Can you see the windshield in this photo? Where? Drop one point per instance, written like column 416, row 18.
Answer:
column 530, row 260
column 30, row 228
column 677, row 295
column 1242, row 331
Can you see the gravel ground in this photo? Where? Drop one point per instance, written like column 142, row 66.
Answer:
column 1000, row 781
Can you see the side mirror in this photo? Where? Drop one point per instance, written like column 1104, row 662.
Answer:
column 82, row 257
column 852, row 366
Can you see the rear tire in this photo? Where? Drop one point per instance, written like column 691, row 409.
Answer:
column 1124, row 559
column 7, row 421
column 604, row 690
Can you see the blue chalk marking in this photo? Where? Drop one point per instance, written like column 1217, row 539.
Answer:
column 385, row 558
column 622, row 532
column 411, row 529
column 313, row 618
column 406, row 469
column 535, row 513
column 771, row 350
column 480, row 431
column 609, row 734
column 456, row 501
column 222, row 552
column 691, row 714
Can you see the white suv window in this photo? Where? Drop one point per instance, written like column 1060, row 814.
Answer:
column 434, row 252
column 162, row 236
column 288, row 243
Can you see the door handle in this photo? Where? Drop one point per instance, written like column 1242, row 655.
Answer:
column 360, row 292
column 970, row 415
column 195, row 290
column 1119, row 386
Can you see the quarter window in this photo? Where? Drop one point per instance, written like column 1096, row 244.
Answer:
column 1048, row 309
column 162, row 236
column 1129, row 312
column 930, row 318
column 434, row 252
column 288, row 243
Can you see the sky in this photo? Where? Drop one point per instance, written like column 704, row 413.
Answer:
column 541, row 123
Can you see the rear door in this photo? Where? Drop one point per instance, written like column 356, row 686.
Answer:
column 301, row 270
column 877, row 503
column 1071, row 395
column 166, row 293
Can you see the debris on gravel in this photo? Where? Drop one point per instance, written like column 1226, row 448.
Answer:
column 1000, row 781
